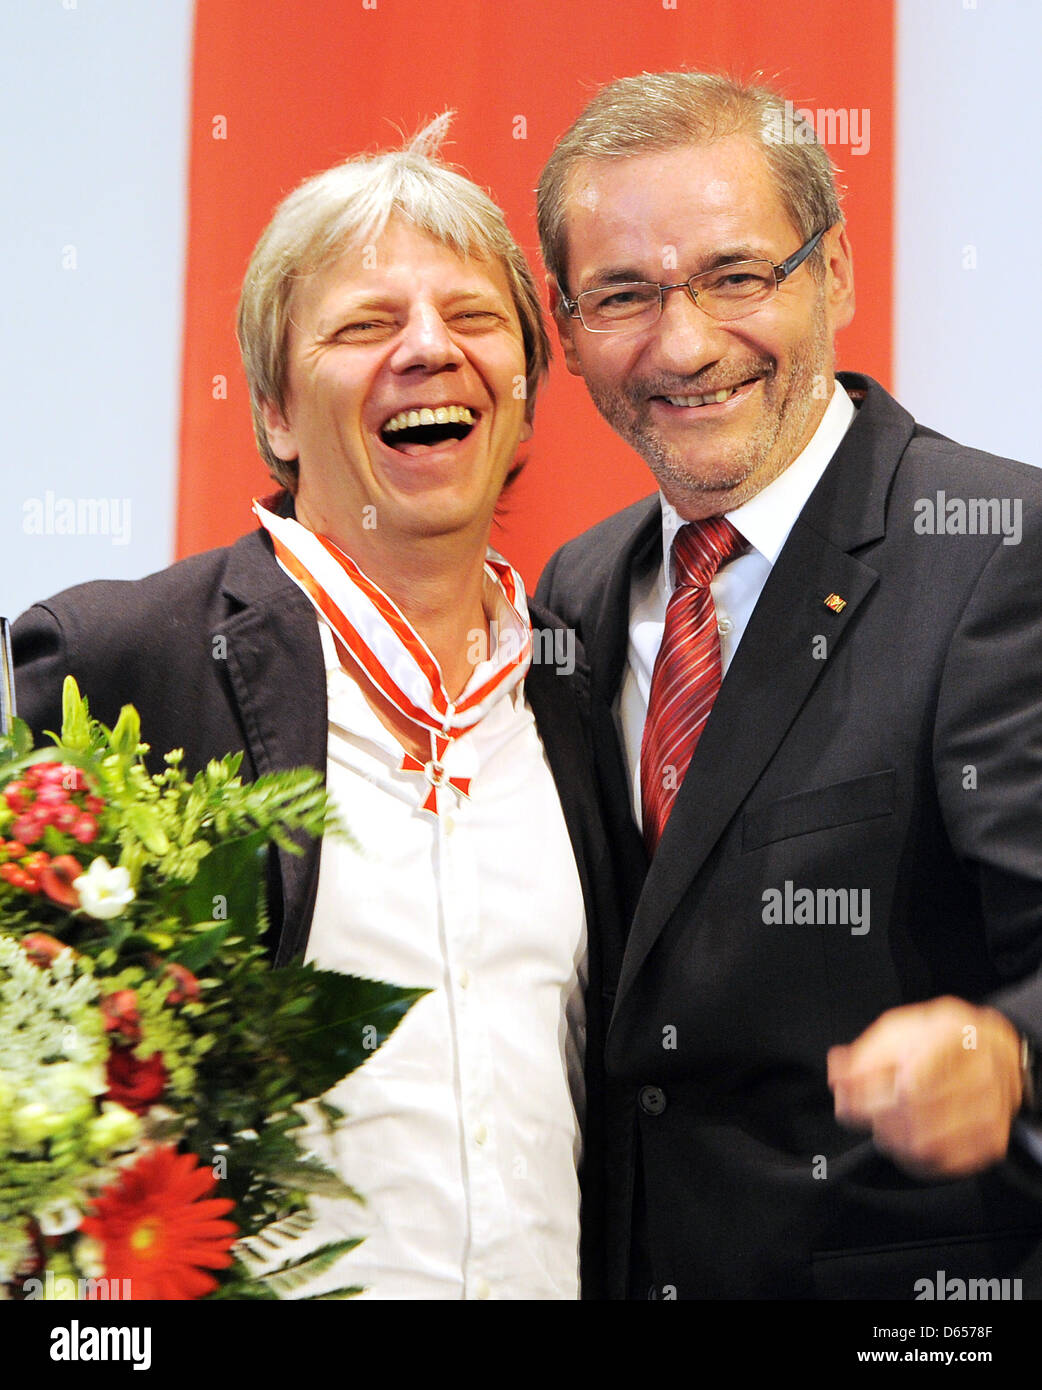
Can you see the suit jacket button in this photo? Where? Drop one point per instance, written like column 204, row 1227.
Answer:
column 652, row 1100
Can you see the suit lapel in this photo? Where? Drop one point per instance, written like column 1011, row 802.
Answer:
column 278, row 680
column 605, row 618
column 605, row 633
column 561, row 708
column 558, row 719
column 775, row 667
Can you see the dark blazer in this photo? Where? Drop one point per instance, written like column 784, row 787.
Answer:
column 221, row 652
column 893, row 748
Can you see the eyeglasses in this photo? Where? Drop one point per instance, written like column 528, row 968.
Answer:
column 729, row 292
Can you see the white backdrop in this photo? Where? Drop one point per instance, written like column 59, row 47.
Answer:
column 94, row 113
column 969, row 218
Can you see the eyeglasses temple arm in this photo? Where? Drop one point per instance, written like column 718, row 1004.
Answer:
column 783, row 271
column 572, row 305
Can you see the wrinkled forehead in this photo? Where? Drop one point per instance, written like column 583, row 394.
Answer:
column 638, row 206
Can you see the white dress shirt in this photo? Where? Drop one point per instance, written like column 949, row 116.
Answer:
column 463, row 1130
column 765, row 521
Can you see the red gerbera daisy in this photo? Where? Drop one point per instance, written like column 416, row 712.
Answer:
column 157, row 1233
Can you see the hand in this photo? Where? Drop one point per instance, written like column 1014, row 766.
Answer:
column 938, row 1085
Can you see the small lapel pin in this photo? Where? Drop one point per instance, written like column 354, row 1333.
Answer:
column 836, row 603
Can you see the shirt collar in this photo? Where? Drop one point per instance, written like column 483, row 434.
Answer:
column 766, row 519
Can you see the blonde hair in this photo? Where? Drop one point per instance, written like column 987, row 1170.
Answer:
column 351, row 203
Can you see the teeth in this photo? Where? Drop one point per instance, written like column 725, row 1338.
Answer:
column 442, row 415
column 713, row 398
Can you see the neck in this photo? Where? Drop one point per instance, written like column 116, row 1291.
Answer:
column 436, row 581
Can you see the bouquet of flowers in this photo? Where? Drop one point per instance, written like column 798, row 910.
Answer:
column 152, row 1061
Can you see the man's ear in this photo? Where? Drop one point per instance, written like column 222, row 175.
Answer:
column 281, row 438
column 566, row 327
column 839, row 278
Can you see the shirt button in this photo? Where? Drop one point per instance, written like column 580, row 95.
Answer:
column 481, row 1134
column 464, row 979
column 482, row 1289
column 450, row 825
column 724, row 626
column 652, row 1100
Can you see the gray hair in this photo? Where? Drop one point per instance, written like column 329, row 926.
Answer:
column 352, row 203
column 656, row 112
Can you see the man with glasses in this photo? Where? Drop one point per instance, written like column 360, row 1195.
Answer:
column 821, row 648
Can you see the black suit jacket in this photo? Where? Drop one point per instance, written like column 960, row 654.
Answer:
column 893, row 748
column 221, row 652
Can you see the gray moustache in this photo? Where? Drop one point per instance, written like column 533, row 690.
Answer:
column 692, row 386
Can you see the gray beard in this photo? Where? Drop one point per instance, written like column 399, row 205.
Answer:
column 781, row 433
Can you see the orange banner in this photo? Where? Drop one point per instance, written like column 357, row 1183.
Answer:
column 284, row 89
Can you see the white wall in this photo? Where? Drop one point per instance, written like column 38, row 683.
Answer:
column 969, row 220
column 94, row 113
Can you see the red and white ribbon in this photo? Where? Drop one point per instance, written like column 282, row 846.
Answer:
column 391, row 653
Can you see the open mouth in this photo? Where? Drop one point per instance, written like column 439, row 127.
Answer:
column 425, row 427
column 711, row 397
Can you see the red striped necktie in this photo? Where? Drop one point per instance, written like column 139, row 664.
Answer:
column 687, row 671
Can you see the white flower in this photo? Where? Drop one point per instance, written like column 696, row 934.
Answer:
column 58, row 1219
column 104, row 892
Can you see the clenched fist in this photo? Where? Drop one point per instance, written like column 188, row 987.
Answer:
column 938, row 1084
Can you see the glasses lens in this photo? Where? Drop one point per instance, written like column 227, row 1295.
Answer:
column 733, row 290
column 618, row 306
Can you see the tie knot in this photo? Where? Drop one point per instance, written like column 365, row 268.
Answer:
column 701, row 547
